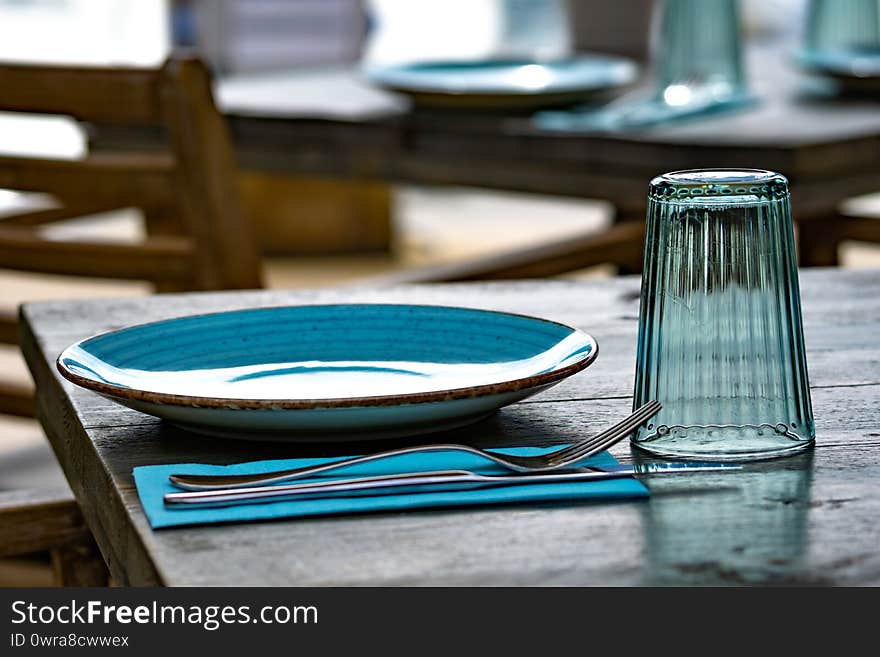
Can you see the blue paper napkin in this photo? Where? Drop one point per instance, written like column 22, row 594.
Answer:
column 152, row 484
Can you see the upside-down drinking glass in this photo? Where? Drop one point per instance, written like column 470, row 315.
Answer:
column 720, row 334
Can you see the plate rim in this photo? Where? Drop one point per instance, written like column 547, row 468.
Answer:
column 231, row 403
column 376, row 74
column 814, row 62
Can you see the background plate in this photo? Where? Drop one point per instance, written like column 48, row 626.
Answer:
column 501, row 84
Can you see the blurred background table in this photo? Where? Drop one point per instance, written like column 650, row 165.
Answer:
column 333, row 123
column 808, row 519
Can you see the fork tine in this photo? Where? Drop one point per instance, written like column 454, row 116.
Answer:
column 639, row 415
column 625, row 427
column 583, row 451
column 607, row 437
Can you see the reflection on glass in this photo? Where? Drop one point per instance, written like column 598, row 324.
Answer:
column 743, row 529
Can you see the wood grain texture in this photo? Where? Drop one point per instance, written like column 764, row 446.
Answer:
column 802, row 520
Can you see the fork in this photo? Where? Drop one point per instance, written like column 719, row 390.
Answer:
column 560, row 459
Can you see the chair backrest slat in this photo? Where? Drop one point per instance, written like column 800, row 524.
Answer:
column 158, row 258
column 106, row 180
column 100, row 95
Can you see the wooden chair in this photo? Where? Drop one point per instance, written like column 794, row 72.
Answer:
column 198, row 237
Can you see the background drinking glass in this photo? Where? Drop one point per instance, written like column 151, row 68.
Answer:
column 843, row 27
column 720, row 333
column 696, row 66
column 696, row 51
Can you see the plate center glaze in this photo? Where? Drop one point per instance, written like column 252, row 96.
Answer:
column 329, row 379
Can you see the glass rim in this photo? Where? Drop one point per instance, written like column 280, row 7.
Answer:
column 719, row 187
column 720, row 176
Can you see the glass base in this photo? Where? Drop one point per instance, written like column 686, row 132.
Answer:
column 723, row 444
column 640, row 113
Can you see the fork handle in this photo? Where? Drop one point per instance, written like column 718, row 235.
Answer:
column 215, row 482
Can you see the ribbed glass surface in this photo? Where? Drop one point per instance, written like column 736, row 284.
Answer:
column 720, row 333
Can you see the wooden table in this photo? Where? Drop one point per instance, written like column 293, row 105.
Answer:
column 810, row 519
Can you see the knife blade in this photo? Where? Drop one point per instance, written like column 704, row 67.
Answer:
column 416, row 482
column 659, row 467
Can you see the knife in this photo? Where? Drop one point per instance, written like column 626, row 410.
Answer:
column 418, row 482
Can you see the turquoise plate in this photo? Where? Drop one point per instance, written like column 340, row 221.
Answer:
column 506, row 83
column 328, row 371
